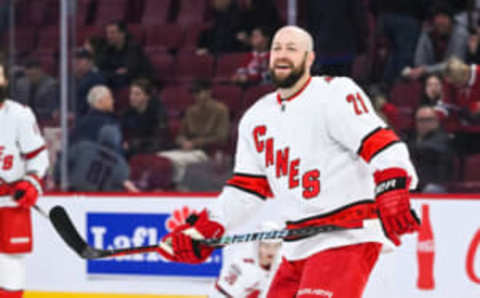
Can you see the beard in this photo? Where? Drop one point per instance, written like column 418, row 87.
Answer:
column 3, row 93
column 291, row 79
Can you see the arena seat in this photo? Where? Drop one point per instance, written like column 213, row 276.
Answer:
column 85, row 32
column 150, row 172
column 192, row 34
column 25, row 40
column 168, row 36
column 176, row 99
column 406, row 93
column 230, row 95
column 155, row 12
column 164, row 66
column 81, row 13
column 194, row 66
column 107, row 10
column 48, row 40
column 228, row 64
column 191, row 12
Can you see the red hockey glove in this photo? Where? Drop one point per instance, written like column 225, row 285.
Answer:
column 180, row 245
column 393, row 202
column 5, row 189
column 26, row 191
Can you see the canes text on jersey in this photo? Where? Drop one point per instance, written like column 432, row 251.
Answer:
column 284, row 166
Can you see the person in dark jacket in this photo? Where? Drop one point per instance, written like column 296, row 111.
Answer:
column 122, row 59
column 257, row 14
column 340, row 31
column 38, row 90
column 86, row 77
column 100, row 115
column 221, row 37
column 400, row 22
column 431, row 152
column 145, row 123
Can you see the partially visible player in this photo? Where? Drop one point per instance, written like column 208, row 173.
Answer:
column 248, row 274
column 318, row 147
column 23, row 163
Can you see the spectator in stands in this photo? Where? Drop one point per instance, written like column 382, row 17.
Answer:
column 37, row 90
column 340, row 31
column 204, row 128
column 221, row 36
column 433, row 92
column 94, row 45
column 100, row 115
column 122, row 59
column 400, row 22
column 431, row 151
column 255, row 69
column 464, row 89
column 433, row 95
column 86, row 76
column 257, row 14
column 145, row 123
column 96, row 166
column 436, row 45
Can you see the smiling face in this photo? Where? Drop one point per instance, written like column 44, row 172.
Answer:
column 291, row 56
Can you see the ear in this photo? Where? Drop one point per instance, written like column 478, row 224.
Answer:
column 310, row 58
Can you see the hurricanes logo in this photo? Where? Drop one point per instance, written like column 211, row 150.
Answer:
column 178, row 218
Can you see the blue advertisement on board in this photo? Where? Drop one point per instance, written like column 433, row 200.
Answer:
column 125, row 230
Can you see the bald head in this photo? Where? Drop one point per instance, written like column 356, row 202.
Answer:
column 296, row 35
column 291, row 57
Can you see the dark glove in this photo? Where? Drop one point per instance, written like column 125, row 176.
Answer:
column 393, row 203
column 181, row 246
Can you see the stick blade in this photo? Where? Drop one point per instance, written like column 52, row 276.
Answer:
column 65, row 228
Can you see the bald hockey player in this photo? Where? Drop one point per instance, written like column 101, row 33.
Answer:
column 317, row 146
column 23, row 163
column 247, row 275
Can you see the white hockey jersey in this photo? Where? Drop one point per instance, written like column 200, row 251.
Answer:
column 315, row 152
column 22, row 147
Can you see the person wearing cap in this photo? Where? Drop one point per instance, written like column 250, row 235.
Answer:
column 204, row 129
column 248, row 273
column 86, row 76
column 435, row 45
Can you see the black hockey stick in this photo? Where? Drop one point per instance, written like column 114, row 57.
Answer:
column 65, row 228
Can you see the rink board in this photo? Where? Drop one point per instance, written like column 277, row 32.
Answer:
column 54, row 270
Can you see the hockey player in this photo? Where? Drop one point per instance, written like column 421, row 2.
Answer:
column 248, row 275
column 317, row 146
column 23, row 163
